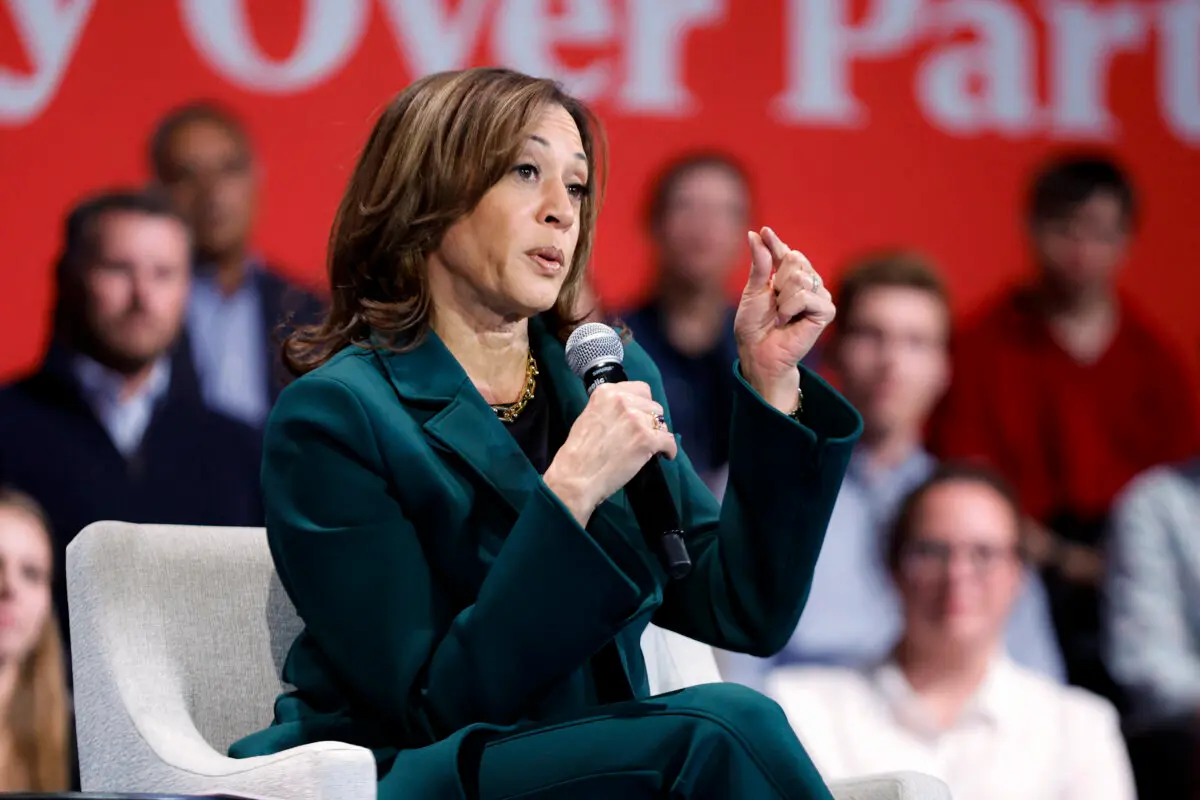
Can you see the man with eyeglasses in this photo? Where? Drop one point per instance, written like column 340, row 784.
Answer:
column 948, row 701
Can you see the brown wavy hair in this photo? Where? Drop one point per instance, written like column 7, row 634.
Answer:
column 432, row 155
column 37, row 717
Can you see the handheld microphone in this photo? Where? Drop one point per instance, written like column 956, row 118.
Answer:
column 595, row 354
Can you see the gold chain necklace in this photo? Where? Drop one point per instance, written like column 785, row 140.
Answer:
column 507, row 413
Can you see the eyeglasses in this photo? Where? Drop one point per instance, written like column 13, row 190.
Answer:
column 925, row 558
column 1084, row 231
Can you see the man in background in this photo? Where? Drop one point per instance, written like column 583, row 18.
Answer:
column 202, row 156
column 697, row 219
column 889, row 350
column 947, row 700
column 109, row 427
column 1069, row 389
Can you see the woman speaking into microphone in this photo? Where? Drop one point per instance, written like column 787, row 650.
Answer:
column 445, row 500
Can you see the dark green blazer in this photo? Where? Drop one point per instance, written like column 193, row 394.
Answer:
column 448, row 595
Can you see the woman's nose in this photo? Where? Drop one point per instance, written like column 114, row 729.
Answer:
column 558, row 210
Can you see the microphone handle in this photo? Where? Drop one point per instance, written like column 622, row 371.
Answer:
column 652, row 505
column 648, row 494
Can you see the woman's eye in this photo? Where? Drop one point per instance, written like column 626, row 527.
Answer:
column 526, row 171
column 578, row 190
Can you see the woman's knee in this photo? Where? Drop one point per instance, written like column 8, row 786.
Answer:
column 733, row 711
column 736, row 734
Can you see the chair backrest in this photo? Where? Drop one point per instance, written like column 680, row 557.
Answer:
column 164, row 616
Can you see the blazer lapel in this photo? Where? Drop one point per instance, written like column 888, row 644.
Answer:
column 460, row 420
column 469, row 427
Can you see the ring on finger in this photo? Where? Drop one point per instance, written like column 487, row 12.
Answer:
column 658, row 420
column 817, row 283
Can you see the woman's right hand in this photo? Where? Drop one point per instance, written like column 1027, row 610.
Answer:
column 611, row 440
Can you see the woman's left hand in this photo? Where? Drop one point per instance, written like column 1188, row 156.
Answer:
column 783, row 310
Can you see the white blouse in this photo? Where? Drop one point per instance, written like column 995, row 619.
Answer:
column 1020, row 736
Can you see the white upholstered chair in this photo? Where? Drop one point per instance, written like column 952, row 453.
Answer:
column 178, row 635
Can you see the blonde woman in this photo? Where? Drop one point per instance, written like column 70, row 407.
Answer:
column 33, row 692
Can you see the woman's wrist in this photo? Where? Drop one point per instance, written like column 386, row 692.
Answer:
column 571, row 493
column 781, row 392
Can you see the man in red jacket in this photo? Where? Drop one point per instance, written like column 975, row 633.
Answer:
column 1068, row 388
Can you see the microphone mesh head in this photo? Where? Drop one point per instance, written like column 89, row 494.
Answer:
column 593, row 343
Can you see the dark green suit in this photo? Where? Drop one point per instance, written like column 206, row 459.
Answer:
column 451, row 602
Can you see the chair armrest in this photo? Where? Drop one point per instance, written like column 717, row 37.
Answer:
column 891, row 786
column 181, row 761
column 317, row 771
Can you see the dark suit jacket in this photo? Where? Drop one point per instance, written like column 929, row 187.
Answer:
column 193, row 466
column 284, row 307
column 446, row 591
column 287, row 305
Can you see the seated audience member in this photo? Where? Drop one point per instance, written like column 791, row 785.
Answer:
column 202, row 155
column 697, row 218
column 948, row 701
column 107, row 427
column 34, row 715
column 1067, row 387
column 1153, row 625
column 889, row 351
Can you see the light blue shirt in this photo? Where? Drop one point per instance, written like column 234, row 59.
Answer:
column 226, row 334
column 125, row 419
column 853, row 612
column 853, row 615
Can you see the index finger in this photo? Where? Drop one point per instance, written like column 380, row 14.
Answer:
column 778, row 249
column 636, row 388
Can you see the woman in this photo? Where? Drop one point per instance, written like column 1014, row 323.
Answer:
column 33, row 689
column 444, row 500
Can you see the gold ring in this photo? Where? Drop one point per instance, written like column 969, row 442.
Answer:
column 659, row 421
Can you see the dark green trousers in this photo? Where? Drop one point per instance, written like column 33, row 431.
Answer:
column 712, row 741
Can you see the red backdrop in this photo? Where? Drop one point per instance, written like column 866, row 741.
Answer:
column 887, row 122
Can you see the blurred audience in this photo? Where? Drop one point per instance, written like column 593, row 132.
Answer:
column 1068, row 388
column 698, row 215
column 1153, row 625
column 889, row 349
column 948, row 701
column 202, row 155
column 34, row 713
column 108, row 427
